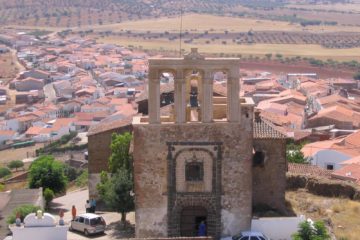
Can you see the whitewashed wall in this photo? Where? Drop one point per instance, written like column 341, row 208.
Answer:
column 277, row 228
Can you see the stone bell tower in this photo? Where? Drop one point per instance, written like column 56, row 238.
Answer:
column 194, row 165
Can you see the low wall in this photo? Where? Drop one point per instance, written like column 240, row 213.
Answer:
column 323, row 186
column 39, row 233
column 271, row 227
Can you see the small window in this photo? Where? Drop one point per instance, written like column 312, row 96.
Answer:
column 81, row 220
column 258, row 159
column 194, row 172
column 330, row 166
column 87, row 221
column 254, row 238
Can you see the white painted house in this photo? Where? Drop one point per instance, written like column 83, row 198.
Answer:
column 331, row 154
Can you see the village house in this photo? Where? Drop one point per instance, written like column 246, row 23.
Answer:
column 29, row 84
column 331, row 154
column 337, row 115
column 6, row 135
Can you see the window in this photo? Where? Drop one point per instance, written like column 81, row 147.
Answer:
column 330, row 166
column 194, row 172
column 258, row 159
column 254, row 238
column 87, row 221
column 81, row 220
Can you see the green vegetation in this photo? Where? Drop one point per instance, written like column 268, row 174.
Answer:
column 311, row 231
column 82, row 180
column 2, row 187
column 16, row 164
column 4, row 172
column 49, row 196
column 294, row 154
column 120, row 157
column 56, row 145
column 24, row 210
column 116, row 188
column 46, row 172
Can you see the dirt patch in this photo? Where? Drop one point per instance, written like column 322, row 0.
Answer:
column 340, row 215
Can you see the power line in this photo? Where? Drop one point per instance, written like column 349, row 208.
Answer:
column 181, row 23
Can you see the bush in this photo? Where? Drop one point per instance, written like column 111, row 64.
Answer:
column 82, row 180
column 71, row 173
column 2, row 187
column 4, row 171
column 49, row 196
column 24, row 210
column 309, row 230
column 16, row 164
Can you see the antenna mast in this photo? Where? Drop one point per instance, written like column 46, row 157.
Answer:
column 181, row 23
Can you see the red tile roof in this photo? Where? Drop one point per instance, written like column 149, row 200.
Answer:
column 308, row 169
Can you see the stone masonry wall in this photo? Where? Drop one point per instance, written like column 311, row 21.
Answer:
column 151, row 173
column 269, row 180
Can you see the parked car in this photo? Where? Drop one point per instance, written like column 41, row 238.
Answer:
column 88, row 223
column 247, row 235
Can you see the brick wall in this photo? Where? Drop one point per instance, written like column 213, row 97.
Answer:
column 99, row 149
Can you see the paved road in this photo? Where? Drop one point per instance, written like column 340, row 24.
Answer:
column 78, row 199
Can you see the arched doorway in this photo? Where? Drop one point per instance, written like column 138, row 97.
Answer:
column 190, row 219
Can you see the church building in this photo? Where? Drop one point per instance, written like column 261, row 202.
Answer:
column 211, row 159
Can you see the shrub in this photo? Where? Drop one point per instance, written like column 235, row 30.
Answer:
column 2, row 187
column 24, row 210
column 4, row 171
column 82, row 180
column 49, row 196
column 312, row 231
column 16, row 164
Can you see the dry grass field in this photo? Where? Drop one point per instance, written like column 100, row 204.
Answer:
column 260, row 50
column 342, row 214
column 203, row 22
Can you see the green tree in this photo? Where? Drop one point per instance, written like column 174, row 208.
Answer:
column 49, row 196
column 116, row 188
column 15, row 164
column 357, row 76
column 46, row 172
column 311, row 231
column 294, row 153
column 117, row 191
column 4, row 171
column 120, row 156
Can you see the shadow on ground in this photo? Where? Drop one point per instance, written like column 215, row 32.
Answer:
column 119, row 230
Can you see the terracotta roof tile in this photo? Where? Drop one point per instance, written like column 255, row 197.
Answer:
column 308, row 169
column 266, row 130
